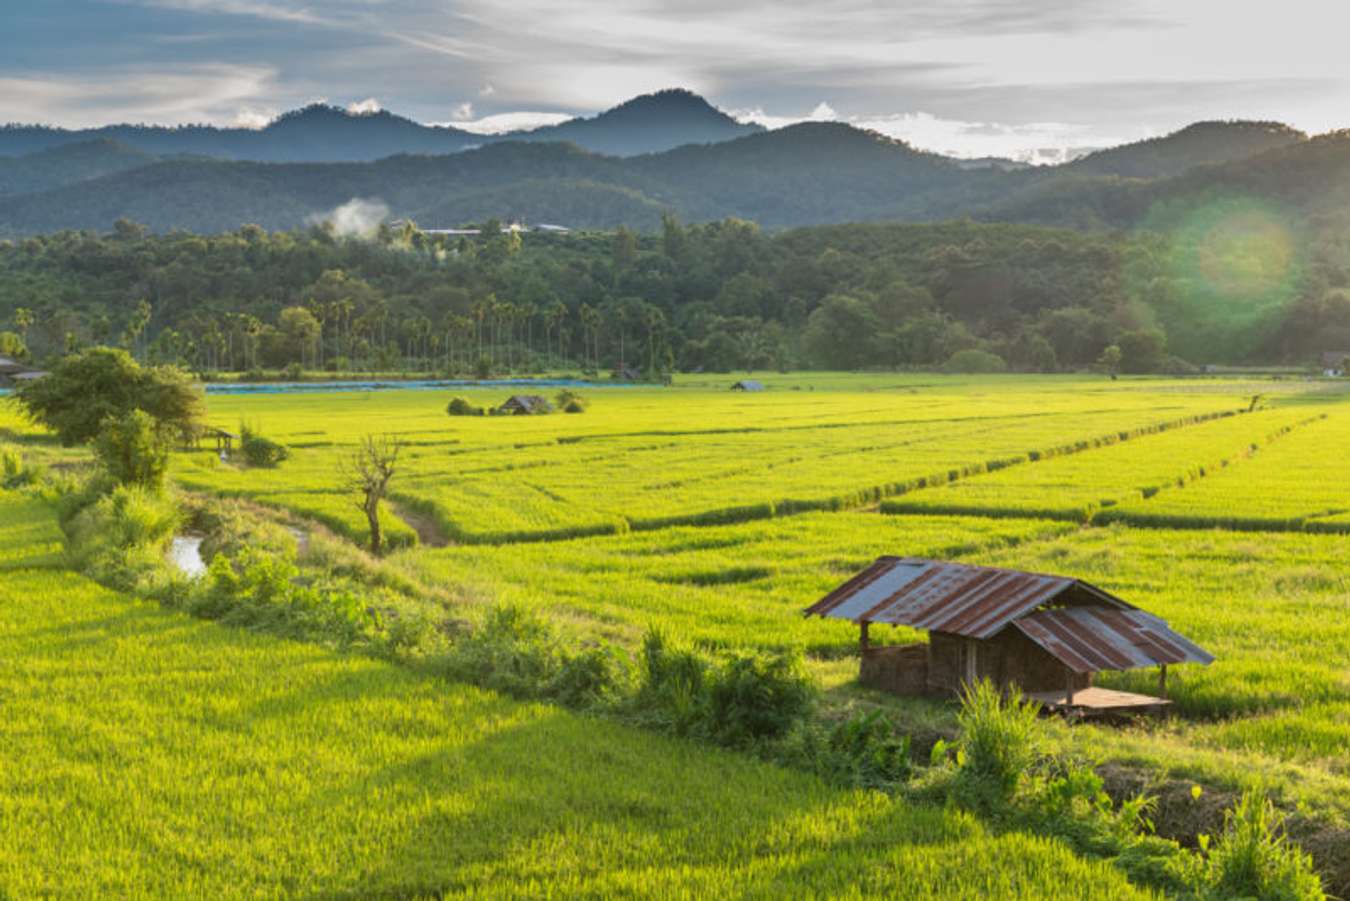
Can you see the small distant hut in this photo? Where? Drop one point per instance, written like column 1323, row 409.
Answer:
column 1335, row 362
column 20, row 377
column 1047, row 635
column 626, row 374
column 224, row 440
column 525, row 405
column 10, row 366
column 748, row 385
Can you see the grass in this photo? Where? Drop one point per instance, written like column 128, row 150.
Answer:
column 716, row 517
column 648, row 459
column 144, row 753
column 1077, row 486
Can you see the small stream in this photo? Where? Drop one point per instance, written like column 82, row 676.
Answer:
column 185, row 553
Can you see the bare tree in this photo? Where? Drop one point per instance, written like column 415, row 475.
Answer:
column 368, row 473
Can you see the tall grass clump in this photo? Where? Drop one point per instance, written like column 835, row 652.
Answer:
column 1253, row 858
column 518, row 653
column 121, row 537
column 15, row 471
column 259, row 450
column 1000, row 743
column 744, row 701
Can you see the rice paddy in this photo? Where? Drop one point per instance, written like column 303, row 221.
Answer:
column 146, row 754
column 716, row 517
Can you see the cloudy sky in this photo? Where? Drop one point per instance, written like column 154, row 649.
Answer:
column 972, row 77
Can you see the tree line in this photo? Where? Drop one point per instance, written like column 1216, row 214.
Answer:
column 715, row 297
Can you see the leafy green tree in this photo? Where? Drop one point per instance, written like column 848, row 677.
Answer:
column 12, row 345
column 134, row 448
column 1109, row 361
column 1144, row 350
column 839, row 333
column 103, row 383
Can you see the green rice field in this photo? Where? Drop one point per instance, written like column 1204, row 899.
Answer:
column 142, row 748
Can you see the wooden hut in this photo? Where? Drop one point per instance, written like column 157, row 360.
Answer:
column 1047, row 635
column 748, row 385
column 224, row 440
column 525, row 405
column 1335, row 362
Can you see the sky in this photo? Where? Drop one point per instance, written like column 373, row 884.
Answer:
column 966, row 77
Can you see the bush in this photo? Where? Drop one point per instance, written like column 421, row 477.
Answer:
column 134, row 449
column 121, row 537
column 999, row 743
column 973, row 360
column 259, row 590
column 461, row 407
column 570, row 402
column 746, row 700
column 15, row 472
column 513, row 651
column 862, row 751
column 293, row 372
column 1255, row 859
column 260, row 451
column 755, row 698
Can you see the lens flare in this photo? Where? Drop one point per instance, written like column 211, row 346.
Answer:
column 1231, row 264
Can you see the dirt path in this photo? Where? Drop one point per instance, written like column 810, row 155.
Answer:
column 429, row 533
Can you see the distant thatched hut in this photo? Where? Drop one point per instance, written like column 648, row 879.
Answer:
column 525, row 405
column 1045, row 634
column 748, row 385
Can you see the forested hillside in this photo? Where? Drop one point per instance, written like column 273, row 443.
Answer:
column 669, row 151
column 322, row 133
column 718, row 296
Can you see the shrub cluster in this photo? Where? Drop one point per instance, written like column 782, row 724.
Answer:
column 15, row 471
column 996, row 768
column 260, row 450
column 570, row 402
column 460, row 406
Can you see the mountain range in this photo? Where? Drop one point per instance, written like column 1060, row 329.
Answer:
column 669, row 151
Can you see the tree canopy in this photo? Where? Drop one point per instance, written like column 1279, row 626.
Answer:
column 99, row 384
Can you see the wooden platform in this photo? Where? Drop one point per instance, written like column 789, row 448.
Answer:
column 1099, row 702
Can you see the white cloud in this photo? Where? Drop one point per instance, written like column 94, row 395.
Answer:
column 169, row 96
column 364, row 107
column 463, row 112
column 253, row 118
column 275, row 12
column 504, row 122
column 487, row 90
column 1035, row 142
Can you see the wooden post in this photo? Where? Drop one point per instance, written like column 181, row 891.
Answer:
column 1068, row 687
column 1162, row 681
column 862, row 637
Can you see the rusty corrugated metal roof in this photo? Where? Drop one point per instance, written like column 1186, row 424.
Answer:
column 974, row 601
column 1087, row 639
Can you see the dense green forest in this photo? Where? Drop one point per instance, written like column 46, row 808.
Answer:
column 1231, row 283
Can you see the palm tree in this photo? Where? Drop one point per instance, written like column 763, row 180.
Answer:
column 23, row 319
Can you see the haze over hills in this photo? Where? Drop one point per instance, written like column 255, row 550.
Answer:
column 665, row 151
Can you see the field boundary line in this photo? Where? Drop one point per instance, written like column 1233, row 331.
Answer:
column 793, row 506
column 1099, row 511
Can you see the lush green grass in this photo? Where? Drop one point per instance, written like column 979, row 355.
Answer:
column 1297, row 482
column 1077, row 486
column 646, row 458
column 723, row 586
column 144, row 753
